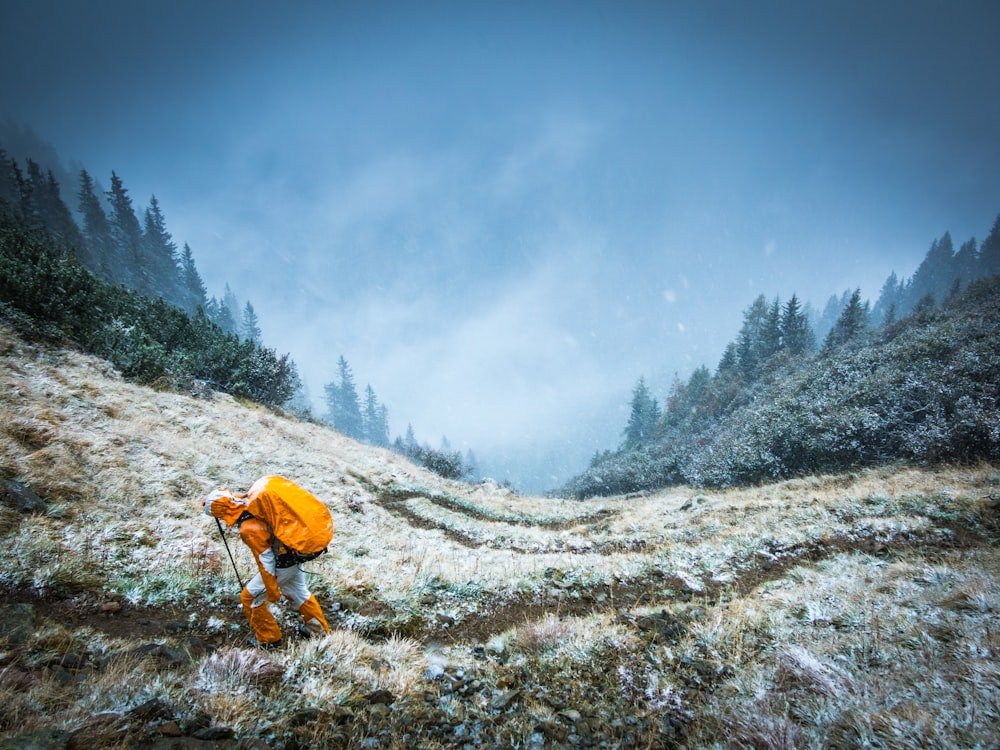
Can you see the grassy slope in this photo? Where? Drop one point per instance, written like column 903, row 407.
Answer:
column 821, row 612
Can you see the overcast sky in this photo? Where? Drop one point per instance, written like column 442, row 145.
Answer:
column 503, row 214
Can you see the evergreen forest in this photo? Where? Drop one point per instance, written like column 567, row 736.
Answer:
column 915, row 378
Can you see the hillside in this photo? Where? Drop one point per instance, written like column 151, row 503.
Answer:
column 825, row 611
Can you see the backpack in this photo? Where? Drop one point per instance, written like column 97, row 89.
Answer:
column 296, row 518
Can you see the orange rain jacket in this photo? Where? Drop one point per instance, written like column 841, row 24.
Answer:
column 274, row 509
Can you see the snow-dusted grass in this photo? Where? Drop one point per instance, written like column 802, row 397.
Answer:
column 817, row 612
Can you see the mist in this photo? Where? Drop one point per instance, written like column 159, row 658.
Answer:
column 503, row 216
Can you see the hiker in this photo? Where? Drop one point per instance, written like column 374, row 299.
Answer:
column 284, row 526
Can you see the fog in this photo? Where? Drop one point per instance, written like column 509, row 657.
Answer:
column 503, row 215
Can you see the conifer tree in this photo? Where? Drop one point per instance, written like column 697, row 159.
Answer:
column 851, row 324
column 8, row 187
column 230, row 311
column 250, row 330
column 751, row 343
column 966, row 262
column 52, row 212
column 375, row 419
column 97, row 231
column 796, row 336
column 126, row 265
column 934, row 275
column 644, row 414
column 989, row 252
column 159, row 256
column 343, row 406
column 890, row 296
column 193, row 294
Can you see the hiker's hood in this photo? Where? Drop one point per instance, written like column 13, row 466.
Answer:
column 222, row 504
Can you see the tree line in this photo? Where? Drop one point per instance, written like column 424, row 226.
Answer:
column 916, row 377
column 119, row 288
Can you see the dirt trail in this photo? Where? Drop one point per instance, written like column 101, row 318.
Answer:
column 657, row 589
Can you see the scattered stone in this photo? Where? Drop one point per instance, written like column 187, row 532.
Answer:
column 382, row 696
column 17, row 622
column 20, row 497
column 350, row 603
column 165, row 654
column 98, row 730
column 214, row 734
column 109, row 608
column 500, row 702
column 170, row 729
column 154, row 708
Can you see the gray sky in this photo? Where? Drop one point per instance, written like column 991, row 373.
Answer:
column 502, row 214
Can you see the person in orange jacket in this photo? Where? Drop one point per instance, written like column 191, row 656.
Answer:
column 279, row 569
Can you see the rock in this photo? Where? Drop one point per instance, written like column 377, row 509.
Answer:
column 167, row 655
column 500, row 702
column 20, row 497
column 99, row 730
column 170, row 729
column 154, row 708
column 350, row 603
column 214, row 734
column 383, row 697
column 17, row 622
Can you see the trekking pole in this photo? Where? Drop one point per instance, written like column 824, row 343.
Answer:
column 235, row 569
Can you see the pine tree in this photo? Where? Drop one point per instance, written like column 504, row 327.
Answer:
column 97, row 231
column 230, row 305
column 645, row 413
column 193, row 293
column 52, row 212
column 343, row 406
column 752, row 341
column 159, row 256
column 375, row 419
column 966, row 262
column 889, row 297
column 250, row 330
column 8, row 186
column 851, row 324
column 989, row 252
column 126, row 265
column 796, row 336
column 934, row 275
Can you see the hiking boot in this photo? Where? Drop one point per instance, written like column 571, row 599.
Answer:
column 304, row 632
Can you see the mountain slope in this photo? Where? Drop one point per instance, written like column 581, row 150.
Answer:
column 827, row 610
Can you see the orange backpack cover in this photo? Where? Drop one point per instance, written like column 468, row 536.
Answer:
column 297, row 518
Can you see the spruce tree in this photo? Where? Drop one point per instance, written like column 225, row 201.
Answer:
column 250, row 330
column 193, row 294
column 375, row 420
column 751, row 344
column 935, row 274
column 643, row 416
column 851, row 324
column 796, row 335
column 97, row 231
column 343, row 406
column 126, row 265
column 989, row 252
column 53, row 212
column 966, row 262
column 159, row 256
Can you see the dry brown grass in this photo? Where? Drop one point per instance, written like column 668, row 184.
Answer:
column 831, row 611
